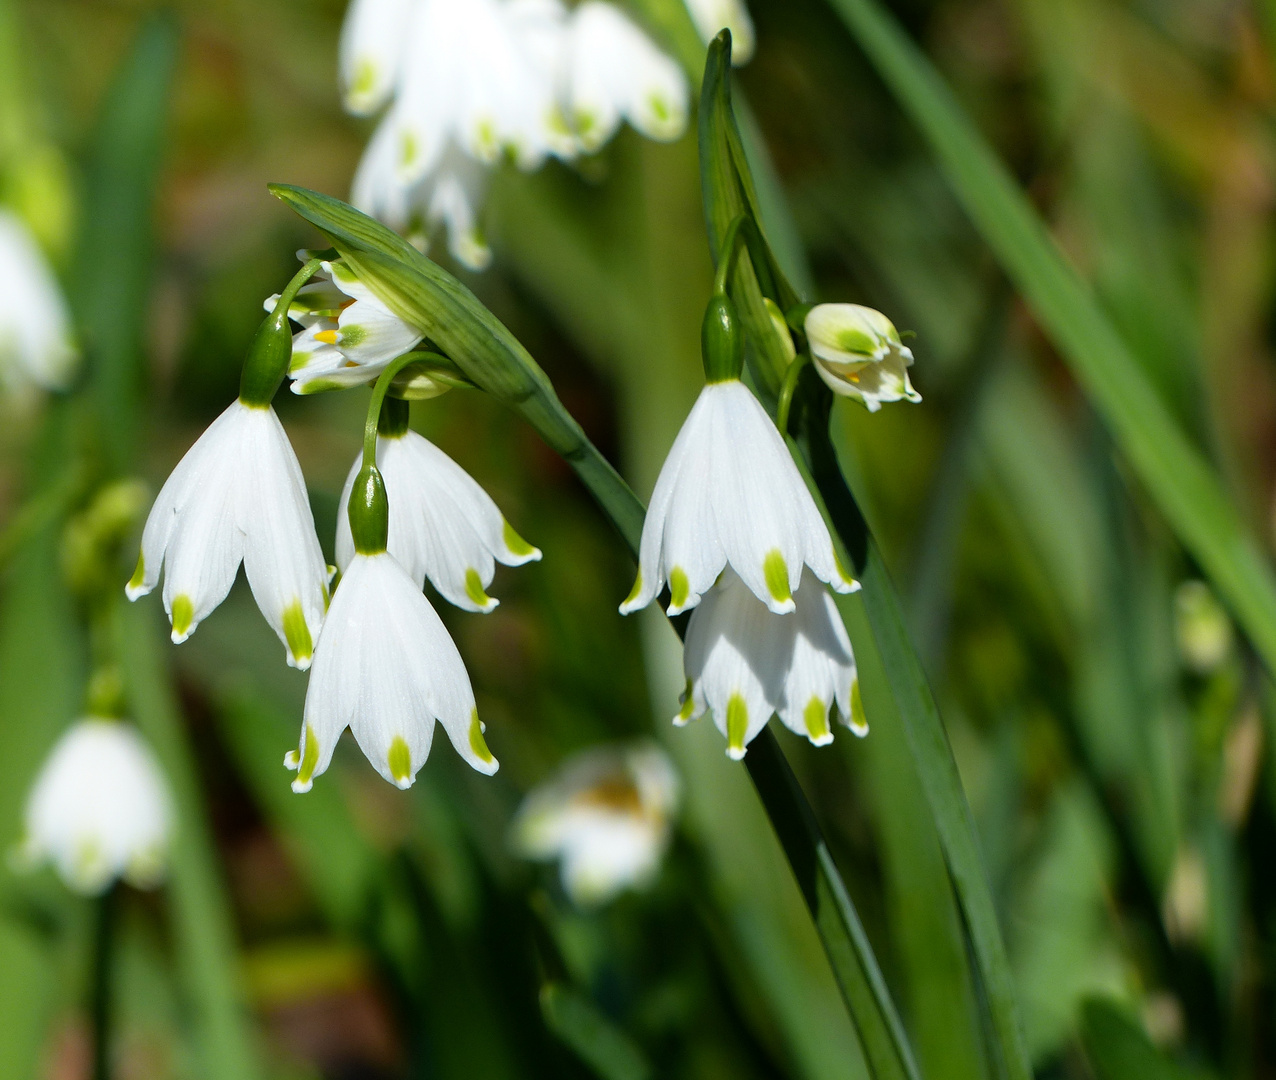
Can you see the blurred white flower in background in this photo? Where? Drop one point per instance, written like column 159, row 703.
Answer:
column 100, row 809
column 606, row 815
column 468, row 82
column 711, row 16
column 36, row 344
column 1202, row 627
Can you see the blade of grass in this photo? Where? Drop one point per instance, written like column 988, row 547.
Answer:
column 1182, row 483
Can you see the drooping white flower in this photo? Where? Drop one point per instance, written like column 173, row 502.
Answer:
column 729, row 494
column 100, row 809
column 371, row 52
column 348, row 335
column 237, row 496
column 743, row 663
column 443, row 525
column 711, row 16
column 615, row 73
column 36, row 345
column 386, row 668
column 606, row 816
column 447, row 198
column 858, row 354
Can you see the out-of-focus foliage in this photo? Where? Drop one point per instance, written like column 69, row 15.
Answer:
column 1122, row 786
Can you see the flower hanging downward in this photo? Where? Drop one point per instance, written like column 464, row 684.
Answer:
column 444, row 526
column 100, row 809
column 858, row 354
column 36, row 346
column 607, row 816
column 730, row 495
column 711, row 16
column 238, row 496
column 385, row 666
column 744, row 663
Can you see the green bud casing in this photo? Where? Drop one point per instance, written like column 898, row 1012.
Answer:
column 721, row 342
column 369, row 512
column 268, row 358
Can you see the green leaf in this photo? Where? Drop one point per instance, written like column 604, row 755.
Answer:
column 581, row 1025
column 112, row 275
column 1117, row 1047
column 1178, row 478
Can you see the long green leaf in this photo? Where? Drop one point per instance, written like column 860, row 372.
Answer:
column 576, row 1020
column 1182, row 483
column 429, row 298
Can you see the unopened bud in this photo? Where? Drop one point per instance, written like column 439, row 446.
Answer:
column 369, row 512
column 858, row 353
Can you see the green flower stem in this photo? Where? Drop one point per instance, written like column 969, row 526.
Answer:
column 787, row 387
column 270, row 352
column 379, row 392
column 100, row 985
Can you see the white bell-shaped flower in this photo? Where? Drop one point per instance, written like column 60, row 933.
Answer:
column 744, row 663
column 386, row 667
column 371, row 52
column 858, row 354
column 443, row 525
column 348, row 335
column 729, row 494
column 447, row 198
column 100, row 809
column 606, row 816
column 712, row 16
column 615, row 73
column 237, row 496
column 36, row 345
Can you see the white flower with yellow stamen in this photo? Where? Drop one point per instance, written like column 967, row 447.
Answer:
column 858, row 354
column 607, row 817
column 237, row 496
column 36, row 345
column 712, row 16
column 386, row 668
column 443, row 525
column 744, row 663
column 100, row 809
column 348, row 335
column 729, row 495
column 615, row 73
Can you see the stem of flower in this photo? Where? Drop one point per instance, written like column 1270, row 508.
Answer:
column 100, row 987
column 271, row 350
column 791, row 377
column 379, row 392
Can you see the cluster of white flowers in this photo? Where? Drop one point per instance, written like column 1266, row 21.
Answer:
column 466, row 82
column 606, row 816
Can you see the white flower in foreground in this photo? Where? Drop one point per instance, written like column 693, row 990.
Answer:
column 607, row 816
column 36, row 345
column 348, row 336
column 858, row 354
column 443, row 525
column 729, row 495
column 744, row 663
column 386, row 668
column 100, row 809
column 615, row 73
column 711, row 16
column 237, row 495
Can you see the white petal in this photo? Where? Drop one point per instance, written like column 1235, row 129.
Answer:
column 282, row 557
column 822, row 670
column 36, row 344
column 372, row 45
column 711, row 16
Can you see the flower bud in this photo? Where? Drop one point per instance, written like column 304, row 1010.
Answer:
column 858, row 354
column 369, row 512
column 721, row 343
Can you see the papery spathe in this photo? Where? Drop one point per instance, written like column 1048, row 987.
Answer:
column 606, row 816
column 100, row 809
column 729, row 495
column 386, row 668
column 743, row 663
column 237, row 496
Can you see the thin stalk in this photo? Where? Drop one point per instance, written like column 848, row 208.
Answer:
column 379, row 392
column 293, row 287
column 100, row 984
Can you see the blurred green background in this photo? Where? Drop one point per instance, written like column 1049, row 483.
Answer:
column 1121, row 781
